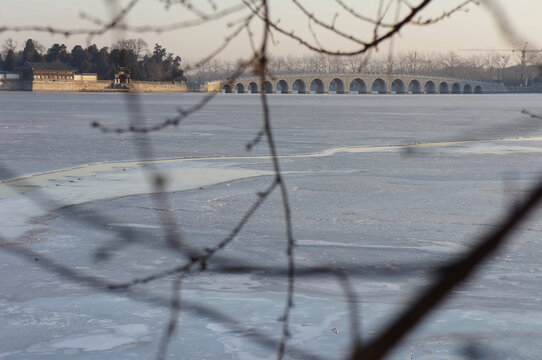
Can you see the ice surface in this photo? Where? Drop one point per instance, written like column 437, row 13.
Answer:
column 115, row 337
column 394, row 186
column 101, row 183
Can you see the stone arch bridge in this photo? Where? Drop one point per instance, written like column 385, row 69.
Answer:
column 354, row 83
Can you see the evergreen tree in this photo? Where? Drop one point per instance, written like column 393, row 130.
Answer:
column 80, row 59
column 57, row 53
column 159, row 53
column 103, row 65
column 9, row 62
column 31, row 52
column 92, row 51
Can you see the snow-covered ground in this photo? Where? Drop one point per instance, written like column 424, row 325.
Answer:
column 390, row 186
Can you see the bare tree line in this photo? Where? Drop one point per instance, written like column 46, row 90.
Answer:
column 257, row 13
column 500, row 67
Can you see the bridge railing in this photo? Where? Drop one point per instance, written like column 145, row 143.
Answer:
column 368, row 74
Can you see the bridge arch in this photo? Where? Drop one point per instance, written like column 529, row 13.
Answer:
column 414, row 87
column 429, row 87
column 226, row 89
column 456, row 88
column 336, row 86
column 252, row 88
column 379, row 86
column 397, row 86
column 298, row 86
column 282, row 87
column 239, row 88
column 443, row 88
column 316, row 86
column 357, row 86
column 267, row 87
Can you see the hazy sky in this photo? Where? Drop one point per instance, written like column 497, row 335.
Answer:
column 473, row 29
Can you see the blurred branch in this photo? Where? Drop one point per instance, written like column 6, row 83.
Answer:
column 446, row 14
column 460, row 269
column 365, row 45
column 457, row 272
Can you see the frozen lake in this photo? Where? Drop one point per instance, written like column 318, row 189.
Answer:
column 392, row 186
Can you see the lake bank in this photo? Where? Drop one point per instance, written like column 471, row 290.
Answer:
column 91, row 86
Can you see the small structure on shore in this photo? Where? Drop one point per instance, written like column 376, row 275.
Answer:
column 123, row 77
column 10, row 75
column 43, row 71
column 10, row 80
column 55, row 76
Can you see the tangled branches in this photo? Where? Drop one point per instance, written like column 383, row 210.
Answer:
column 251, row 14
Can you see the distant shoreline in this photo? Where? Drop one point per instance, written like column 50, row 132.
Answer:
column 98, row 86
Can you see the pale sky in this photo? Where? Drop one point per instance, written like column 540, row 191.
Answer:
column 475, row 29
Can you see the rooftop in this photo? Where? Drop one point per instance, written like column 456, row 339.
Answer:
column 48, row 66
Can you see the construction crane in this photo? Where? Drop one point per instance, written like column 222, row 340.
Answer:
column 523, row 51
